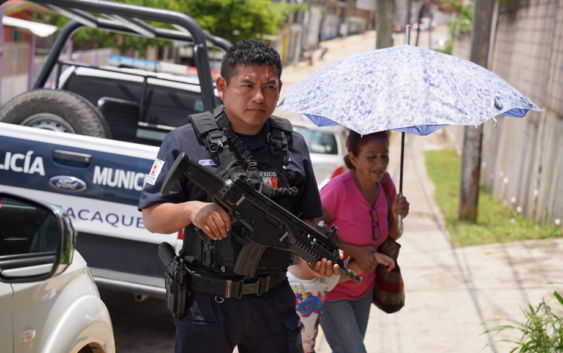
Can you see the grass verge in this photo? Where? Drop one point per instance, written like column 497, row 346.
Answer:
column 496, row 222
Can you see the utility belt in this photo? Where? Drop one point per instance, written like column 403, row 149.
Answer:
column 183, row 279
column 220, row 286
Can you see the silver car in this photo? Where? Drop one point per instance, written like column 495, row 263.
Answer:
column 327, row 147
column 48, row 300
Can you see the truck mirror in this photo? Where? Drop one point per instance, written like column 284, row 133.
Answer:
column 36, row 239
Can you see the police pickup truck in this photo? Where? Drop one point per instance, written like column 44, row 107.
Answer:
column 88, row 145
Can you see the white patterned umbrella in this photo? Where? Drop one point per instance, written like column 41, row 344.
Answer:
column 404, row 88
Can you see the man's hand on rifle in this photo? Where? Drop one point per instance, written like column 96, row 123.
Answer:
column 210, row 218
column 325, row 268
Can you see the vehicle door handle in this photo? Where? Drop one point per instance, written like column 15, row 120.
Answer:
column 72, row 158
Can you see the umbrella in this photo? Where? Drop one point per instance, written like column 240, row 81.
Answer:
column 407, row 89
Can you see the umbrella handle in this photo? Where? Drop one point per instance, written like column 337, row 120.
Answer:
column 400, row 217
column 400, row 224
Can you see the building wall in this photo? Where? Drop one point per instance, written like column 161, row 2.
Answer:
column 523, row 159
column 15, row 65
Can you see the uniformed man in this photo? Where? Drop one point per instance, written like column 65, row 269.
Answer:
column 257, row 313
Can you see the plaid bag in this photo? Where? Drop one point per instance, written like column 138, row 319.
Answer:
column 389, row 292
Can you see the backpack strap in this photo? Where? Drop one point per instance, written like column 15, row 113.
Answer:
column 385, row 186
column 208, row 132
column 280, row 136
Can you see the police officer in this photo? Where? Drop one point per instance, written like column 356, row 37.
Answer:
column 227, row 309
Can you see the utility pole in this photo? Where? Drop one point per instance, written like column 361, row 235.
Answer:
column 408, row 20
column 430, row 17
column 472, row 137
column 384, row 24
column 420, row 12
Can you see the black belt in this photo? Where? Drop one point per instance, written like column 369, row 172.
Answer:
column 235, row 289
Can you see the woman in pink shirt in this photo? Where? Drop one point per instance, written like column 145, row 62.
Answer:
column 355, row 202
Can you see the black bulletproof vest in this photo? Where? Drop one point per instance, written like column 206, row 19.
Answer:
column 220, row 256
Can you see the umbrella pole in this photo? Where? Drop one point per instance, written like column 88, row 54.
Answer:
column 400, row 218
column 402, row 160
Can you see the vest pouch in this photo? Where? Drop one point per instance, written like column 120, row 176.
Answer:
column 272, row 173
column 227, row 250
column 193, row 244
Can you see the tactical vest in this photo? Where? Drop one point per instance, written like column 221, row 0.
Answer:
column 220, row 256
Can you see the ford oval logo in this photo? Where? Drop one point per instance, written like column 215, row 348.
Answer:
column 67, row 183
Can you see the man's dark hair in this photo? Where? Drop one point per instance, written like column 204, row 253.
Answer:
column 249, row 52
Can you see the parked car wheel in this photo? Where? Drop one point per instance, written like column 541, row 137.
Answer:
column 57, row 111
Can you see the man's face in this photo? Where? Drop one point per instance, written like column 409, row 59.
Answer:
column 251, row 96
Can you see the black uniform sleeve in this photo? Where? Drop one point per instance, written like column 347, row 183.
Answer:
column 308, row 201
column 169, row 150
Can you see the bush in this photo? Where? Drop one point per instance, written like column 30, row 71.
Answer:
column 541, row 333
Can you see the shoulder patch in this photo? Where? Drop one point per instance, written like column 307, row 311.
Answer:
column 155, row 171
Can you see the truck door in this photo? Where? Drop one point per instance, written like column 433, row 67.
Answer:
column 97, row 181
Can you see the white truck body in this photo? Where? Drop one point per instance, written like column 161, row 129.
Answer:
column 98, row 182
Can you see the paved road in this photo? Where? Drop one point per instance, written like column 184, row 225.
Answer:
column 139, row 326
column 454, row 295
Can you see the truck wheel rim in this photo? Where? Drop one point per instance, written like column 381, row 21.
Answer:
column 48, row 121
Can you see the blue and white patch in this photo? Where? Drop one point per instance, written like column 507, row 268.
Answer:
column 207, row 162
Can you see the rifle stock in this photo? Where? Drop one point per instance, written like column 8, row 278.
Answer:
column 260, row 221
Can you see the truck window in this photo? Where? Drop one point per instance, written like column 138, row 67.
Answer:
column 94, row 88
column 170, row 103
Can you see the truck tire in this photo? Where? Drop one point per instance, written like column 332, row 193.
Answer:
column 55, row 110
column 86, row 349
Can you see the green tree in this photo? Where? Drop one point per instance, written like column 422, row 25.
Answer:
column 239, row 19
column 233, row 20
column 463, row 21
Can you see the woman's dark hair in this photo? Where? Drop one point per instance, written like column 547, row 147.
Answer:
column 249, row 52
column 355, row 142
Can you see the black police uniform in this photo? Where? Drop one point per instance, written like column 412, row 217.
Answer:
column 256, row 323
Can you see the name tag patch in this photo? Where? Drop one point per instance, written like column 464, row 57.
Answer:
column 207, row 162
column 155, row 171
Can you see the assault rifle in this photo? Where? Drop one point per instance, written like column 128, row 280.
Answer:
column 258, row 222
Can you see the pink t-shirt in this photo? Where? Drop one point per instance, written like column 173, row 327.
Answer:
column 350, row 212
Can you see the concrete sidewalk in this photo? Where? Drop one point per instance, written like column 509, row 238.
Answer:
column 454, row 295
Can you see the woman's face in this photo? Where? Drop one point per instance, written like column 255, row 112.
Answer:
column 372, row 160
